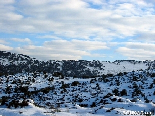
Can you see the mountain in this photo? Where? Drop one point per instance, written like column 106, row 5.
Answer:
column 11, row 63
column 69, row 88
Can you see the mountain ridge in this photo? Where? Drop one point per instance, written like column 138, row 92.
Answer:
column 12, row 63
column 76, row 87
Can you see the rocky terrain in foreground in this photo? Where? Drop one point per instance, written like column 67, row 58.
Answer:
column 75, row 88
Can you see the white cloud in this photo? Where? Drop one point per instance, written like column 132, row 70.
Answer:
column 5, row 2
column 90, row 45
column 138, row 51
column 13, row 16
column 62, row 49
column 49, row 37
column 76, row 19
column 77, row 44
column 96, row 2
column 44, row 53
column 9, row 20
column 147, row 36
column 21, row 40
column 5, row 48
column 2, row 41
column 98, row 55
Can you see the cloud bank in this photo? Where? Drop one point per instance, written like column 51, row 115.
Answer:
column 77, row 28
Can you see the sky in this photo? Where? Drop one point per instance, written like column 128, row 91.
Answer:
column 105, row 30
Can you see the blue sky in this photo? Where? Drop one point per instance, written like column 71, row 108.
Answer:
column 79, row 29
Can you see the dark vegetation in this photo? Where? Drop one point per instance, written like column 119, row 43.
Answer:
column 17, row 80
column 18, row 63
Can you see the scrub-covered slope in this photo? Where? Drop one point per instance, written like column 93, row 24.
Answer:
column 103, row 89
column 105, row 95
column 11, row 63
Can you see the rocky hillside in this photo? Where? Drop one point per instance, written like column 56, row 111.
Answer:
column 11, row 63
column 76, row 87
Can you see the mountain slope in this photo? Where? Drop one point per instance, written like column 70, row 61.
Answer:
column 85, row 88
column 11, row 63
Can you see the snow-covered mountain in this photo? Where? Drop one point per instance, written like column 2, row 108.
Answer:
column 12, row 63
column 30, row 87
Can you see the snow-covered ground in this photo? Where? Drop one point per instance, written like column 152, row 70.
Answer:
column 32, row 110
column 95, row 88
column 68, row 100
column 117, row 67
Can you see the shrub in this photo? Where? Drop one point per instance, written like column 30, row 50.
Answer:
column 75, row 83
column 58, row 74
column 80, row 100
column 93, row 104
column 23, row 89
column 108, row 95
column 154, row 93
column 16, row 103
column 50, row 79
column 83, row 105
column 151, row 86
column 146, row 100
column 134, row 100
column 108, row 110
column 120, row 100
column 45, row 90
column 4, row 100
column 123, row 92
column 113, row 99
column 120, row 74
column 116, row 92
column 24, row 103
column 154, row 81
column 135, row 85
column 153, row 75
column 64, row 86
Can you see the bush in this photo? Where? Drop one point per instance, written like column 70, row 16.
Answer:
column 64, row 86
column 58, row 74
column 113, row 99
column 16, row 103
column 75, row 83
column 45, row 90
column 134, row 100
column 154, row 81
column 23, row 89
column 4, row 100
column 83, row 105
column 108, row 95
column 108, row 110
column 123, row 92
column 151, row 86
column 93, row 104
column 24, row 103
column 153, row 75
column 80, row 100
column 120, row 100
column 50, row 79
column 116, row 92
column 146, row 100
